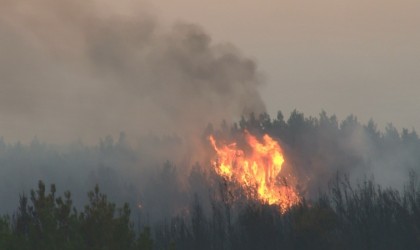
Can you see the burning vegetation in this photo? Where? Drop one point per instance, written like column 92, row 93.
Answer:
column 233, row 201
column 256, row 168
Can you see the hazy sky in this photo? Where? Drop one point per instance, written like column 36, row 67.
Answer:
column 73, row 69
column 344, row 56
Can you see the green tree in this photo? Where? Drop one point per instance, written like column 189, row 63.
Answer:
column 100, row 226
column 145, row 241
column 6, row 236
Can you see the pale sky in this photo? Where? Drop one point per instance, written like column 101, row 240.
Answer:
column 343, row 56
column 75, row 69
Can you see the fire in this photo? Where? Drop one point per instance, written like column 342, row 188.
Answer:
column 258, row 168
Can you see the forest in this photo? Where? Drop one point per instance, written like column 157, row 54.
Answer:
column 359, row 187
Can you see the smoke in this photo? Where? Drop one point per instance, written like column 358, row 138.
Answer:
column 83, row 69
column 320, row 148
column 74, row 70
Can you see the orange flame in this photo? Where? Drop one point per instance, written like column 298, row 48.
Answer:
column 260, row 169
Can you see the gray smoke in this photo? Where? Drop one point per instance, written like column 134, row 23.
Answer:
column 74, row 70
column 83, row 69
column 77, row 71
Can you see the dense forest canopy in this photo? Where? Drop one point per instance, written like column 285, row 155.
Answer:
column 179, row 176
column 316, row 148
column 352, row 177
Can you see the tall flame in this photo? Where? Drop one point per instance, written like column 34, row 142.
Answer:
column 259, row 169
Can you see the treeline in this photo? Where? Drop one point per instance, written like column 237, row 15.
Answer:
column 315, row 149
column 171, row 208
column 364, row 216
column 318, row 147
column 46, row 221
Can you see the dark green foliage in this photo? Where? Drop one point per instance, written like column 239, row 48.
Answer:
column 145, row 241
column 346, row 217
column 313, row 226
column 258, row 227
column 361, row 217
column 51, row 222
column 101, row 228
column 342, row 216
column 6, row 236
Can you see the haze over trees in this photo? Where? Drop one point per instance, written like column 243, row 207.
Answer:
column 359, row 185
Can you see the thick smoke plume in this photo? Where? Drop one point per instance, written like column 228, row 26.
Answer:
column 74, row 70
column 84, row 69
